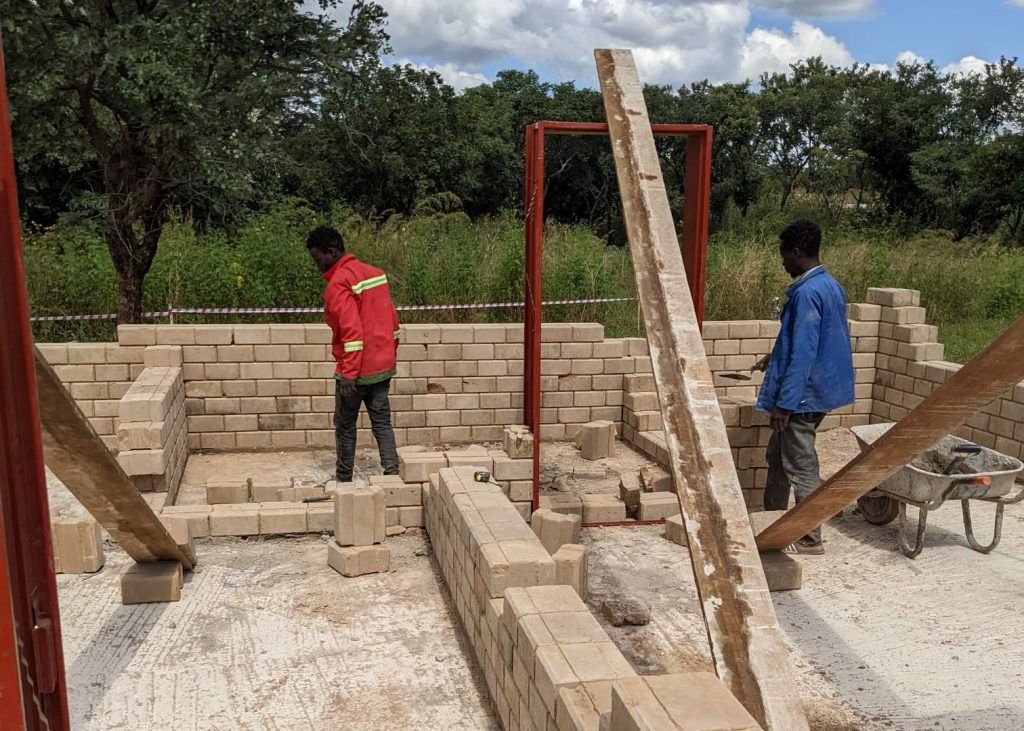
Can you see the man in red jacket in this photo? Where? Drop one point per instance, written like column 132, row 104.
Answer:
column 364, row 323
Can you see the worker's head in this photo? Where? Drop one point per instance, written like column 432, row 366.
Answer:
column 326, row 246
column 799, row 244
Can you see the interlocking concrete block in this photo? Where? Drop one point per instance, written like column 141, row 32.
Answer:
column 296, row 494
column 629, row 493
column 162, row 356
column 893, row 297
column 520, row 490
column 278, row 518
column 655, row 480
column 555, row 529
column 658, row 505
column 401, row 495
column 77, row 546
column 235, row 520
column 602, row 509
column 675, row 531
column 565, row 504
column 506, row 469
column 197, row 516
column 411, row 516
column 351, row 561
column 518, row 442
column 265, row 489
column 783, row 572
column 762, row 519
column 227, row 490
column 417, row 467
column 596, row 439
column 156, row 581
column 181, row 531
column 359, row 517
column 470, row 458
column 691, row 701
column 320, row 517
column 143, row 434
column 571, row 567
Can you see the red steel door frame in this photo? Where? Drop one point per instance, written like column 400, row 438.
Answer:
column 32, row 691
column 694, row 245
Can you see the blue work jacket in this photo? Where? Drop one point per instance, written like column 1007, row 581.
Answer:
column 811, row 368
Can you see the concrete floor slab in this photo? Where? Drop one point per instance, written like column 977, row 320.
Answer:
column 267, row 636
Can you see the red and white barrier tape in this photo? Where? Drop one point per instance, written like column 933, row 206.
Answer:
column 316, row 310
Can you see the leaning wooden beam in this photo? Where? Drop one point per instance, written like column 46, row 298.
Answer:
column 90, row 472
column 988, row 375
column 749, row 653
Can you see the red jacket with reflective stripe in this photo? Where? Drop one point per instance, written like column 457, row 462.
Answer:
column 363, row 320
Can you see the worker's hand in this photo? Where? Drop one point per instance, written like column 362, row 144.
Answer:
column 779, row 419
column 762, row 364
column 347, row 387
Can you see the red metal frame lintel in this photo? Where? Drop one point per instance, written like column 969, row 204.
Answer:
column 694, row 243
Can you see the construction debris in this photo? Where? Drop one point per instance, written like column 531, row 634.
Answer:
column 626, row 610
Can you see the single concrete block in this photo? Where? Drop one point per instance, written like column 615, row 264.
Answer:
column 353, row 561
column 297, row 494
column 180, row 530
column 77, row 545
column 565, row 504
column 580, row 708
column 596, row 439
column 691, row 701
column 602, row 509
column 278, row 518
column 398, row 495
column 658, row 505
column 652, row 480
column 629, row 493
column 235, row 520
column 518, row 442
column 320, row 517
column 675, row 531
column 762, row 519
column 383, row 480
column 571, row 567
column 411, row 516
column 359, row 517
column 418, row 467
column 506, row 469
column 156, row 581
column 471, row 458
column 266, row 489
column 783, row 572
column 555, row 529
column 198, row 517
column 224, row 491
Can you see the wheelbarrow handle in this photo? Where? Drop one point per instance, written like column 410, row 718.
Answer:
column 967, row 449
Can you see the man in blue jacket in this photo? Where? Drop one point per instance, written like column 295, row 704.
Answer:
column 809, row 372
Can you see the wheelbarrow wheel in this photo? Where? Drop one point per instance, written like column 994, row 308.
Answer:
column 878, row 510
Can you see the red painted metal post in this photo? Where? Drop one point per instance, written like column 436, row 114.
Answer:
column 696, row 201
column 31, row 658
column 528, row 314
column 533, row 304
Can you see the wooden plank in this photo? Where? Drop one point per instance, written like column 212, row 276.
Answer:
column 749, row 653
column 988, row 375
column 81, row 460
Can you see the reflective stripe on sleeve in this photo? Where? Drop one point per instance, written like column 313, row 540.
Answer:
column 360, row 287
column 353, row 346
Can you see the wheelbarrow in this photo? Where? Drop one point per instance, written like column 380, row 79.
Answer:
column 951, row 469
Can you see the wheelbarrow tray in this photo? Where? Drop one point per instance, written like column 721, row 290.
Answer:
column 922, row 480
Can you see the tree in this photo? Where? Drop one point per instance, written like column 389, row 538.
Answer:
column 167, row 102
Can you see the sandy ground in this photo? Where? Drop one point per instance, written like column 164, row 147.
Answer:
column 268, row 637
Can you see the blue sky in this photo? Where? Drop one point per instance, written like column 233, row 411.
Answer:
column 680, row 41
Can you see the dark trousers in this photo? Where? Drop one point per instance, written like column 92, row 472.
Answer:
column 792, row 462
column 346, row 415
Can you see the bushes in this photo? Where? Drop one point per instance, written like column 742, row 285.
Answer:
column 972, row 290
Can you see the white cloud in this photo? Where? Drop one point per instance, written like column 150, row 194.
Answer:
column 823, row 9
column 674, row 41
column 909, row 57
column 458, row 79
column 1018, row 3
column 966, row 66
column 774, row 50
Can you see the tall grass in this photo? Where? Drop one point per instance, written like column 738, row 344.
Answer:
column 971, row 289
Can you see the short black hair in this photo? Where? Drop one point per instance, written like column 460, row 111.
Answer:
column 325, row 238
column 801, row 234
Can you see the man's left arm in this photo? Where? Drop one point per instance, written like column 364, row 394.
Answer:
column 806, row 333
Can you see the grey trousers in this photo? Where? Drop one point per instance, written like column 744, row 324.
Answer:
column 346, row 416
column 792, row 462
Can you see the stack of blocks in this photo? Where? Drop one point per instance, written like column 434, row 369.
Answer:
column 358, row 531
column 152, row 430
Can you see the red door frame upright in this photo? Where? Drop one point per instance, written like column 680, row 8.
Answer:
column 31, row 658
column 694, row 245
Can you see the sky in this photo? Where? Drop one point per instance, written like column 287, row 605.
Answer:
column 677, row 42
